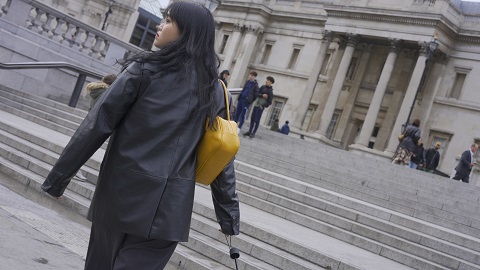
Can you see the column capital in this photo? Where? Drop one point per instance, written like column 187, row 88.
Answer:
column 327, row 36
column 395, row 45
column 237, row 27
column 423, row 48
column 352, row 39
column 254, row 30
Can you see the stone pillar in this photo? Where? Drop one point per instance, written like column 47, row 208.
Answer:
column 337, row 84
column 408, row 99
column 372, row 114
column 312, row 81
column 231, row 49
column 240, row 69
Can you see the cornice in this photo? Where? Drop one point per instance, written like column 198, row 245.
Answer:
column 357, row 14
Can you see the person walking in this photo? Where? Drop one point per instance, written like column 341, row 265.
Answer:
column 407, row 146
column 264, row 99
column 154, row 114
column 245, row 99
column 223, row 76
column 466, row 163
column 418, row 156
column 432, row 158
column 96, row 89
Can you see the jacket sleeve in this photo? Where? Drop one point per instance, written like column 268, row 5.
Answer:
column 224, row 196
column 269, row 99
column 97, row 126
column 465, row 159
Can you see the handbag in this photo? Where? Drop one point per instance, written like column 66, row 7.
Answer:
column 218, row 146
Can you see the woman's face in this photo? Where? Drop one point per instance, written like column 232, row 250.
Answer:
column 167, row 32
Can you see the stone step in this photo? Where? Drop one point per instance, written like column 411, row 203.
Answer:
column 45, row 101
column 86, row 190
column 430, row 190
column 414, row 206
column 357, row 228
column 316, row 153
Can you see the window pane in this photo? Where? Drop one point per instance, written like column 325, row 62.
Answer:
column 293, row 58
column 266, row 54
column 224, row 44
column 275, row 112
column 458, row 85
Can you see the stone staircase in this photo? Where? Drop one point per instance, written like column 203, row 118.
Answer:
column 303, row 205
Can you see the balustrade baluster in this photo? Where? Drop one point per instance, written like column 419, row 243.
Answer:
column 57, row 32
column 95, row 50
column 47, row 26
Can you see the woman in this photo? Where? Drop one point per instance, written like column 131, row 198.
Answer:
column 155, row 113
column 224, row 76
column 418, row 156
column 408, row 144
column 96, row 89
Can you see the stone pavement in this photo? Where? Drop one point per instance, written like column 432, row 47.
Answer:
column 34, row 237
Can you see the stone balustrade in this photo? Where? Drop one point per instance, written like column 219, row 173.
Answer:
column 64, row 29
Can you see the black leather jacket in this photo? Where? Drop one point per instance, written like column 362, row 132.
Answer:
column 147, row 179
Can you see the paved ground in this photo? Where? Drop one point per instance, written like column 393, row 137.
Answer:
column 35, row 237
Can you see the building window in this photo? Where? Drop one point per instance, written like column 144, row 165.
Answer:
column 352, row 68
column 333, row 125
column 293, row 58
column 458, row 85
column 324, row 69
column 373, row 138
column 145, row 30
column 275, row 111
column 308, row 117
column 223, row 45
column 266, row 54
column 438, row 136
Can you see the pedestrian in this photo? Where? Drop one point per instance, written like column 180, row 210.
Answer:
column 264, row 99
column 466, row 163
column 96, row 89
column 407, row 146
column 285, row 128
column 155, row 116
column 223, row 76
column 432, row 158
column 245, row 99
column 418, row 156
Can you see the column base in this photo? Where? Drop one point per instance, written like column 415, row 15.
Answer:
column 313, row 137
column 365, row 151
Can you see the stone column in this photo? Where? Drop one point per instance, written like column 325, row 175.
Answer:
column 372, row 114
column 408, row 99
column 337, row 84
column 240, row 69
column 312, row 81
column 231, row 49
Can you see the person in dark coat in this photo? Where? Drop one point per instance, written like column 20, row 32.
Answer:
column 418, row 156
column 264, row 99
column 466, row 163
column 285, row 128
column 432, row 158
column 154, row 114
column 96, row 89
column 245, row 99
column 408, row 145
column 223, row 76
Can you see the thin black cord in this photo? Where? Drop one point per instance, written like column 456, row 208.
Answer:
column 229, row 244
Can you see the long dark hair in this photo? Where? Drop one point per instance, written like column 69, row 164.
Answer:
column 195, row 46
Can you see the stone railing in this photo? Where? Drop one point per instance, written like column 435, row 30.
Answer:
column 64, row 29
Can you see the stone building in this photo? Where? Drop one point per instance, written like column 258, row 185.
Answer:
column 348, row 73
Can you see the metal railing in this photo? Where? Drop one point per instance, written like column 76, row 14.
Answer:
column 82, row 74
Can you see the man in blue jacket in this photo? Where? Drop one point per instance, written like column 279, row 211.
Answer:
column 264, row 99
column 247, row 96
